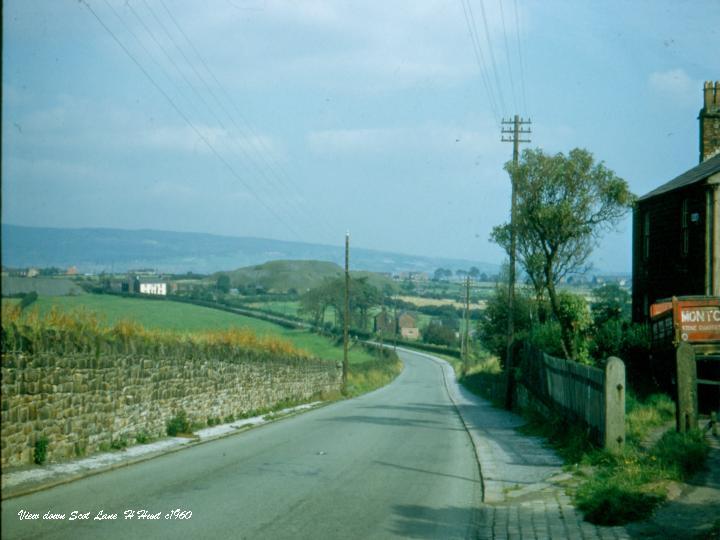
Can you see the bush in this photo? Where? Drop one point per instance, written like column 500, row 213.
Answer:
column 608, row 503
column 178, row 424
column 41, row 446
column 28, row 299
column 439, row 334
column 119, row 444
column 684, row 453
column 142, row 437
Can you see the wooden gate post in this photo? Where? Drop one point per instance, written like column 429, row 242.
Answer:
column 614, row 436
column 687, row 403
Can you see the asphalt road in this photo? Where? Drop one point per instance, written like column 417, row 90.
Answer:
column 396, row 463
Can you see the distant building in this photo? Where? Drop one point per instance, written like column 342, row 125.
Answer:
column 408, row 327
column 153, row 287
column 676, row 227
column 384, row 323
column 72, row 271
column 145, row 285
column 32, row 272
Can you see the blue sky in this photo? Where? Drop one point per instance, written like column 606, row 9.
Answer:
column 301, row 120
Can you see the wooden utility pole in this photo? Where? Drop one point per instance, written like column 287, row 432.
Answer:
column 466, row 334
column 516, row 131
column 346, row 318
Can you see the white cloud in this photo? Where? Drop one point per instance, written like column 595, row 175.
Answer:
column 677, row 85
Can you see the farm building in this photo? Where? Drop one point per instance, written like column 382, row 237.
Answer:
column 676, row 227
column 408, row 327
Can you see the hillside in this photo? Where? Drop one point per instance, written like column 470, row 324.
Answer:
column 280, row 276
column 118, row 250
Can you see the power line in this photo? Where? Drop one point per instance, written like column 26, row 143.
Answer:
column 255, row 141
column 492, row 54
column 187, row 120
column 480, row 60
column 507, row 55
column 520, row 56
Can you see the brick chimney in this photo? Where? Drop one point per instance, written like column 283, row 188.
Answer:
column 710, row 121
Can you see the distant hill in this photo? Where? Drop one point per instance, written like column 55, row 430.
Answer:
column 118, row 250
column 280, row 276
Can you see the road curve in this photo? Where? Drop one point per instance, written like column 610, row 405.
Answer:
column 396, row 463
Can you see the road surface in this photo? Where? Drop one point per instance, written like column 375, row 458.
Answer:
column 396, row 463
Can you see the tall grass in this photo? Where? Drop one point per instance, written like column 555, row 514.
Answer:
column 84, row 331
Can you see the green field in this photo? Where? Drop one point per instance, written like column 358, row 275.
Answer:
column 180, row 317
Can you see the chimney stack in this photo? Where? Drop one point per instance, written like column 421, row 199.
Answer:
column 710, row 121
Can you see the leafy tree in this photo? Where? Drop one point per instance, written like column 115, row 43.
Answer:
column 564, row 203
column 439, row 334
column 492, row 327
column 474, row 272
column 612, row 302
column 223, row 283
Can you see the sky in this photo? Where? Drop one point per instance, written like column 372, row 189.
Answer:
column 301, row 120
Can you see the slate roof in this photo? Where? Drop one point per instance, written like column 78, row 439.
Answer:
column 692, row 176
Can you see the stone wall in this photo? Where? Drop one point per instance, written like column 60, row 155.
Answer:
column 82, row 401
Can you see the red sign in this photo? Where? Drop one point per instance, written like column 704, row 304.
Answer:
column 695, row 319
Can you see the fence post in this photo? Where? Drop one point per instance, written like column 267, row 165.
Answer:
column 614, row 436
column 687, row 409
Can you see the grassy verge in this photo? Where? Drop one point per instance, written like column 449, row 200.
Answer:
column 368, row 376
column 612, row 489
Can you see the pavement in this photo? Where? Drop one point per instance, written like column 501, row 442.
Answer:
column 522, row 482
column 19, row 481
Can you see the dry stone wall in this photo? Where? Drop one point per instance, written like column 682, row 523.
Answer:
column 84, row 401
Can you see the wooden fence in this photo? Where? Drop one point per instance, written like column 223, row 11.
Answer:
column 582, row 393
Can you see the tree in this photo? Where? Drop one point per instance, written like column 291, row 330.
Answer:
column 223, row 283
column 439, row 334
column 612, row 302
column 564, row 203
column 492, row 327
column 474, row 272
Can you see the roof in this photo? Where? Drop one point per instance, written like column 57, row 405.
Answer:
column 692, row 176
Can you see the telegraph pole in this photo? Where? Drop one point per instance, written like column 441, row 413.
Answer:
column 466, row 333
column 514, row 132
column 346, row 318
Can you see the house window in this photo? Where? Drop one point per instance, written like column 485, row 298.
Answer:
column 685, row 228
column 646, row 236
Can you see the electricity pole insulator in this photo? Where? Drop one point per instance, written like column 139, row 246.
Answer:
column 514, row 136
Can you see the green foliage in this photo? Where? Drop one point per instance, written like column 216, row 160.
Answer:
column 41, row 448
column 612, row 303
column 142, row 437
column 492, row 327
column 120, row 443
column 223, row 283
column 609, row 502
column 28, row 299
column 228, row 419
column 684, row 453
column 439, row 334
column 563, row 204
column 642, row 416
column 178, row 424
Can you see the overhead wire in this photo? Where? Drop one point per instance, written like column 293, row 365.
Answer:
column 507, row 56
column 520, row 56
column 255, row 142
column 493, row 63
column 479, row 57
column 187, row 120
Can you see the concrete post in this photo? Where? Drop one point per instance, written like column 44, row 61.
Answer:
column 687, row 403
column 614, row 404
